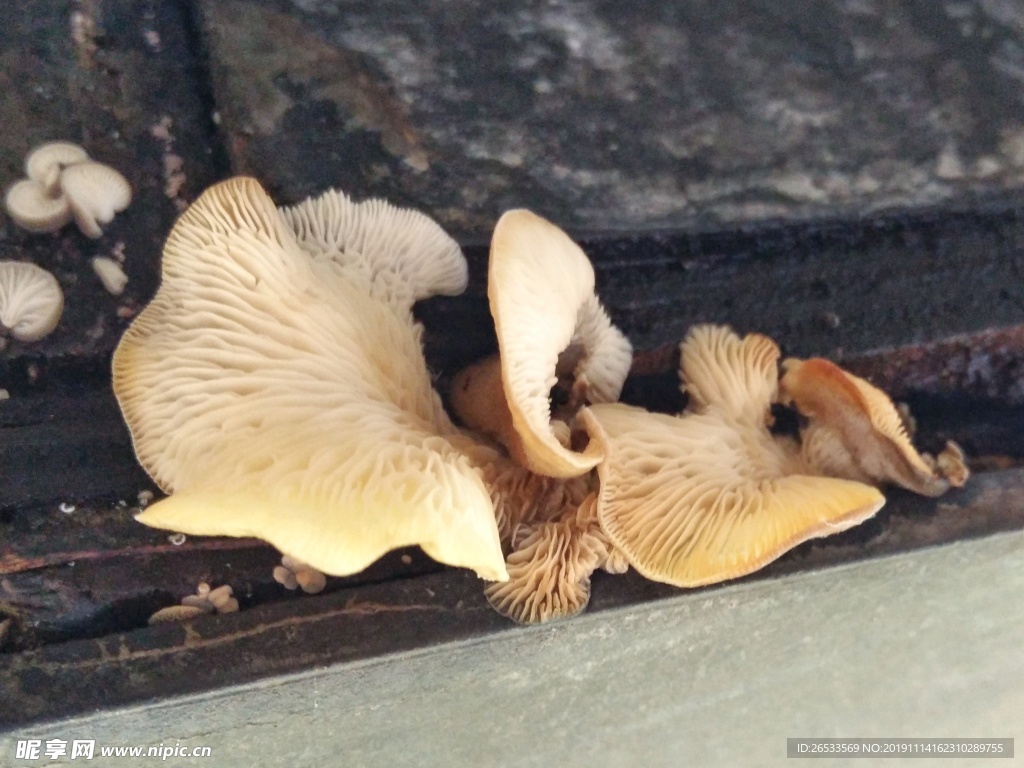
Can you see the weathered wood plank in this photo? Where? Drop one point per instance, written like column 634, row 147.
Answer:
column 376, row 620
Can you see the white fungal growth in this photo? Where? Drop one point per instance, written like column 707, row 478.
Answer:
column 292, row 573
column 110, row 274
column 31, row 301
column 204, row 601
column 66, row 508
column 177, row 539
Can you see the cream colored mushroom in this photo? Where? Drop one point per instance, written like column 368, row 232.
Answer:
column 854, row 430
column 32, row 209
column 540, row 286
column 45, row 163
column 95, row 193
column 31, row 301
column 550, row 569
column 110, row 274
column 401, row 255
column 277, row 388
column 710, row 495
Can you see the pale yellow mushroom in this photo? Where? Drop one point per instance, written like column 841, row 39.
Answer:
column 548, row 320
column 854, row 430
column 177, row 613
column 710, row 495
column 276, row 387
column 550, row 569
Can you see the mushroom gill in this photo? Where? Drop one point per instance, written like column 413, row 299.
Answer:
column 710, row 495
column 550, row 568
column 548, row 320
column 279, row 390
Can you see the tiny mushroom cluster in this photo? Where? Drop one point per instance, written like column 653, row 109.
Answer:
column 204, row 601
column 62, row 184
column 276, row 387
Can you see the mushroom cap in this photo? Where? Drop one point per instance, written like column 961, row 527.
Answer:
column 273, row 396
column 32, row 209
column 855, row 430
column 701, row 498
column 738, row 376
column 41, row 160
column 95, row 192
column 31, row 301
column 404, row 255
column 110, row 274
column 44, row 163
column 541, row 290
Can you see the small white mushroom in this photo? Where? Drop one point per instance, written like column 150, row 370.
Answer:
column 31, row 301
column 110, row 274
column 95, row 192
column 293, row 573
column 32, row 209
column 176, row 613
column 44, row 163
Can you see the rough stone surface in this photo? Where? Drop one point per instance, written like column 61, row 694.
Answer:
column 610, row 115
column 923, row 644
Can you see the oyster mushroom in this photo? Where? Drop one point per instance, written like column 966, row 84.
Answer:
column 276, row 387
column 31, row 301
column 710, row 495
column 548, row 320
column 32, row 209
column 854, row 430
column 95, row 193
column 45, row 163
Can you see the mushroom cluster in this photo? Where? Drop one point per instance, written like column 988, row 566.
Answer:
column 276, row 387
column 62, row 184
column 204, row 601
column 688, row 500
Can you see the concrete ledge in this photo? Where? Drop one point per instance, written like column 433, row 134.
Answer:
column 923, row 644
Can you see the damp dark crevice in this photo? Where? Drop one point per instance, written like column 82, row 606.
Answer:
column 196, row 39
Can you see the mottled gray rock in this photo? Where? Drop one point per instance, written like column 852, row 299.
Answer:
column 607, row 115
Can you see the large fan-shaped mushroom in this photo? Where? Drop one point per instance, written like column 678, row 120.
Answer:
column 710, row 495
column 277, row 388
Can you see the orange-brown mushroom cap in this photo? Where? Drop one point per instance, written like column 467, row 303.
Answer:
column 698, row 499
column 280, row 395
column 854, row 429
column 540, row 286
